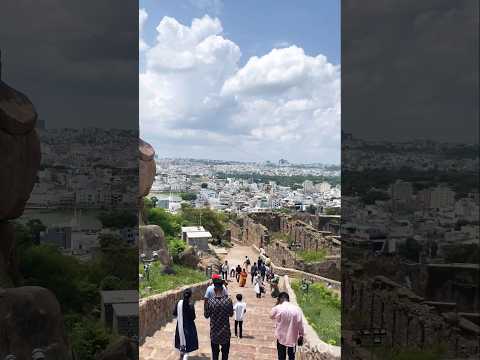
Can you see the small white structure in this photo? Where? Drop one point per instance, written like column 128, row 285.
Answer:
column 196, row 236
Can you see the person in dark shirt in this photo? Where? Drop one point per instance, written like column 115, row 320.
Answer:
column 253, row 271
column 238, row 270
column 219, row 309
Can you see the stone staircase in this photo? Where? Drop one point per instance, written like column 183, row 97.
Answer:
column 258, row 342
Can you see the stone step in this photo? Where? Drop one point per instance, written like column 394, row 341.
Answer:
column 258, row 342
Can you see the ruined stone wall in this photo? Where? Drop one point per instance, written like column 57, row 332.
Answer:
column 280, row 254
column 157, row 310
column 307, row 236
column 258, row 229
column 406, row 318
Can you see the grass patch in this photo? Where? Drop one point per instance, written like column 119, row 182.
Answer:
column 312, row 256
column 321, row 308
column 160, row 282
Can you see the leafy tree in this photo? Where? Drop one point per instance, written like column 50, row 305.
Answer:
column 117, row 259
column 373, row 195
column 89, row 337
column 212, row 221
column 118, row 219
column 35, row 226
column 40, row 266
column 188, row 196
column 170, row 223
column 23, row 238
column 111, row 282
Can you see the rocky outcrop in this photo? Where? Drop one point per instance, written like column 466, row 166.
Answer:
column 189, row 257
column 152, row 239
column 147, row 170
column 20, row 149
column 30, row 318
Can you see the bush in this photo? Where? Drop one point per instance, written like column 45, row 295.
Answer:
column 118, row 219
column 89, row 337
column 170, row 223
column 312, row 256
column 175, row 247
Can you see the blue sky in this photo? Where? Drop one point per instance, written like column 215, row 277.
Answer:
column 202, row 89
column 257, row 26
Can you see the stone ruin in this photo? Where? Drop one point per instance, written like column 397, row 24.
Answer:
column 30, row 317
column 406, row 319
column 259, row 229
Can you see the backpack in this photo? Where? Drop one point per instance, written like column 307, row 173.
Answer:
column 248, row 262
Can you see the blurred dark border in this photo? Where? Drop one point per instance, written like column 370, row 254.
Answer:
column 69, row 178
column 410, row 180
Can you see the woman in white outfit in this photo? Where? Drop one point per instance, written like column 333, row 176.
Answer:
column 186, row 338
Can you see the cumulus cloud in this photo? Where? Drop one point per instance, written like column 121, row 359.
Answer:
column 193, row 91
column 142, row 18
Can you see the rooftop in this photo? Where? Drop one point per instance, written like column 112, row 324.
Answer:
column 119, row 296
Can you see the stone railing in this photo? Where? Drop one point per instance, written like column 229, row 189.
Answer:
column 335, row 285
column 157, row 310
column 313, row 348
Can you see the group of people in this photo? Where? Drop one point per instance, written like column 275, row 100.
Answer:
column 219, row 307
column 260, row 272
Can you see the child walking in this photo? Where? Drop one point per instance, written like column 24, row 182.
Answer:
column 239, row 310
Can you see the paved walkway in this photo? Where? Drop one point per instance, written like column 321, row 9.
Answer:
column 258, row 342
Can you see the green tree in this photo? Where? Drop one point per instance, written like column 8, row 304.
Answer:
column 188, row 196
column 35, row 226
column 111, row 282
column 373, row 195
column 89, row 337
column 40, row 266
column 212, row 221
column 170, row 223
column 118, row 219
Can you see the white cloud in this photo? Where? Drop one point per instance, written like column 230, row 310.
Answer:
column 193, row 93
column 142, row 18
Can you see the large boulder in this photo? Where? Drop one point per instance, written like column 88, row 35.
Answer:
column 30, row 318
column 189, row 257
column 147, row 168
column 19, row 149
column 152, row 239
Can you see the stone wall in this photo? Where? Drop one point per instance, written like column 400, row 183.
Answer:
column 313, row 348
column 259, row 230
column 295, row 273
column 407, row 319
column 157, row 310
column 307, row 236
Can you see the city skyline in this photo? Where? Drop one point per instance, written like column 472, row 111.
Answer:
column 215, row 84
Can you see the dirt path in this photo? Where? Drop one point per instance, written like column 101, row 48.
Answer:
column 258, row 342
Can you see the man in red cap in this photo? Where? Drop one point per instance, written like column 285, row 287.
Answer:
column 216, row 278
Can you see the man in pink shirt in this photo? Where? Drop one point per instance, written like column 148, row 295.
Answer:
column 288, row 326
